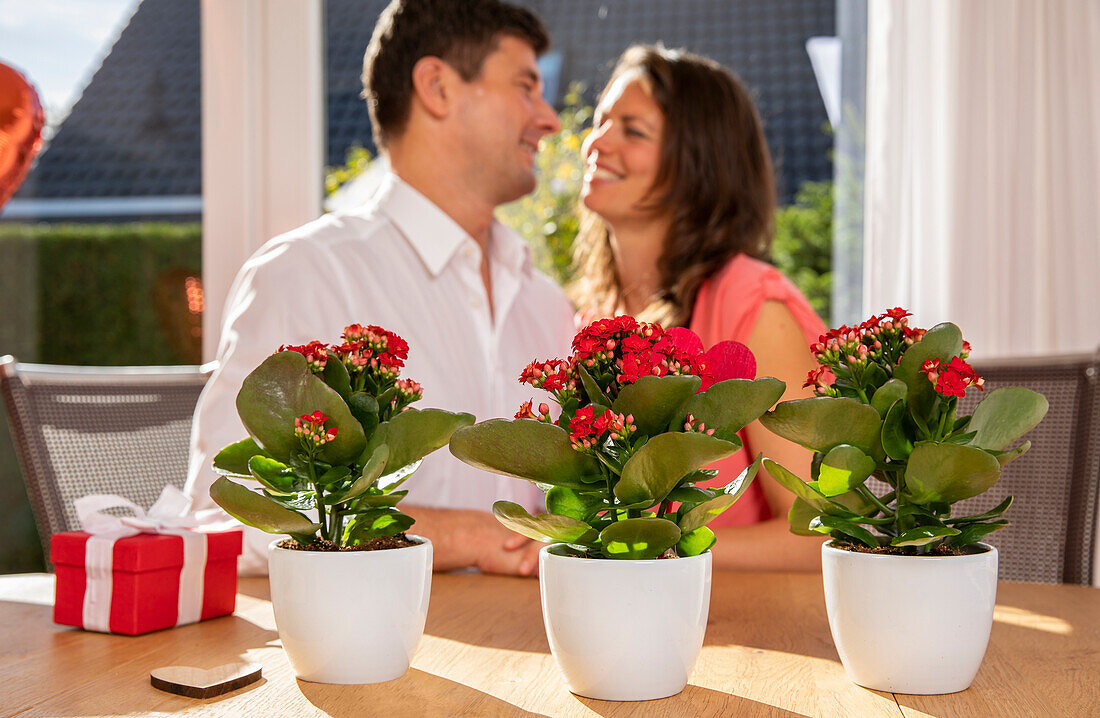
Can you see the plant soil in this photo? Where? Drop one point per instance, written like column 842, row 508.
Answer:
column 378, row 543
column 940, row 550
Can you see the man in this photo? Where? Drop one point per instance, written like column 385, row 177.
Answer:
column 454, row 94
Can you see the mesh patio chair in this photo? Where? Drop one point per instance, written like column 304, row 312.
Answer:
column 1051, row 536
column 98, row 430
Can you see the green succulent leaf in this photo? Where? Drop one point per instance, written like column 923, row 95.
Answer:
column 942, row 341
column 802, row 513
column 833, row 525
column 895, row 438
column 280, row 390
column 550, row 528
column 367, row 478
column 275, row 475
column 376, row 522
column 414, row 433
column 822, row 422
column 923, row 535
column 972, row 533
column 949, row 473
column 335, row 475
column 843, row 468
column 887, row 394
column 335, row 374
column 695, row 543
column 390, row 481
column 365, row 409
column 731, row 405
column 704, row 513
column 591, row 388
column 526, row 449
column 802, row 490
column 800, row 516
column 657, row 468
column 692, row 494
column 569, row 502
column 1005, row 415
column 233, row 459
column 643, row 538
column 258, row 511
column 962, row 438
column 655, row 400
column 372, row 500
column 299, row 500
column 993, row 513
column 1004, row 458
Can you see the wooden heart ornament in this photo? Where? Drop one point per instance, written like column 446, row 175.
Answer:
column 199, row 683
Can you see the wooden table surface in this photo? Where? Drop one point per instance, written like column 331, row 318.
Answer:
column 767, row 652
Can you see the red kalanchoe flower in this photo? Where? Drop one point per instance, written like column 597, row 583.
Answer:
column 691, row 426
column 821, row 379
column 633, row 366
column 408, row 391
column 525, row 411
column 314, row 352
column 355, row 355
column 897, row 314
column 950, row 383
column 952, row 378
column 310, row 429
column 685, row 340
column 581, row 431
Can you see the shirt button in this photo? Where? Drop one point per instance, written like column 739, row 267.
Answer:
column 468, row 252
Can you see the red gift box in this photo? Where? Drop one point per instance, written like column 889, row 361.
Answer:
column 145, row 579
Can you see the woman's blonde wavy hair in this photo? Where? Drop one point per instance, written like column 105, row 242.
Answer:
column 714, row 180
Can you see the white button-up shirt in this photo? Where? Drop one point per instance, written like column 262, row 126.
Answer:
column 401, row 263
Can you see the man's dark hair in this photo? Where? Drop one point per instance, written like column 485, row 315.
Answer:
column 459, row 32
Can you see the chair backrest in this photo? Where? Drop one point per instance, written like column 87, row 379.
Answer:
column 98, row 430
column 1051, row 536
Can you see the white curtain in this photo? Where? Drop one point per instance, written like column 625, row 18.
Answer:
column 982, row 195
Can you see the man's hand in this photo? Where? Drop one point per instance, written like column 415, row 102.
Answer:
column 463, row 537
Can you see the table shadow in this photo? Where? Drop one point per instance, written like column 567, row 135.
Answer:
column 516, row 625
column 692, row 701
column 416, row 694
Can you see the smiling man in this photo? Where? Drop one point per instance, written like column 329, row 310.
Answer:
column 455, row 98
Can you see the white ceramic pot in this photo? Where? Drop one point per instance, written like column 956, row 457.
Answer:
column 624, row 630
column 910, row 624
column 351, row 616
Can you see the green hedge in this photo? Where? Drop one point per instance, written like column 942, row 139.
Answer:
column 109, row 294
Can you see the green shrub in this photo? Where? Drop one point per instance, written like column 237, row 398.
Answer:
column 803, row 247
column 112, row 294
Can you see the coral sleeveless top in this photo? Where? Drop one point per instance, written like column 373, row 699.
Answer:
column 727, row 307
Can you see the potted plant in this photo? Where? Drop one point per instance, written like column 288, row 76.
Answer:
column 626, row 584
column 909, row 587
column 332, row 437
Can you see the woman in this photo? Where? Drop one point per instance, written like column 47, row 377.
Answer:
column 681, row 203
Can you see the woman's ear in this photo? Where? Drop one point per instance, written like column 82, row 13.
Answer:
column 431, row 80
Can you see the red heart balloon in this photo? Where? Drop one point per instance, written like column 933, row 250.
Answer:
column 21, row 120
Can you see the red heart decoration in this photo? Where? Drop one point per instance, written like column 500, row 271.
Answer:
column 729, row 360
column 21, row 121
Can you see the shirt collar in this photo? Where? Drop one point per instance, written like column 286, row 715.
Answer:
column 436, row 237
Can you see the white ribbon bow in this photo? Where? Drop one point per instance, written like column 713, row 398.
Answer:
column 168, row 515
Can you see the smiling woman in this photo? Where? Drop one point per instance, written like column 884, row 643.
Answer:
column 680, row 201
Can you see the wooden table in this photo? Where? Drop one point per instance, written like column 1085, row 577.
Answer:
column 767, row 653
